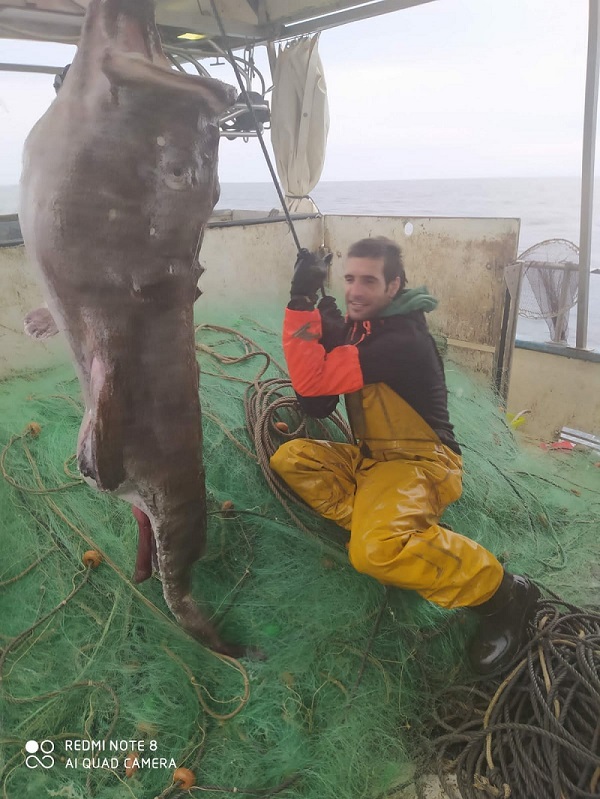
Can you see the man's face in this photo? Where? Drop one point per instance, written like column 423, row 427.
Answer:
column 366, row 293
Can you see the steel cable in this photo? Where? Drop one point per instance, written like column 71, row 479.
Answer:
column 246, row 96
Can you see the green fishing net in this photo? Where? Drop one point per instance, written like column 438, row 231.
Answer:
column 338, row 707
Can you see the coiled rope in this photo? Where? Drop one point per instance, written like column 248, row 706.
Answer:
column 264, row 400
column 263, row 404
column 537, row 734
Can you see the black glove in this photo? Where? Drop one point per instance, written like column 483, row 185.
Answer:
column 310, row 272
column 329, row 310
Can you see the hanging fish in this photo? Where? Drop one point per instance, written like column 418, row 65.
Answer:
column 119, row 179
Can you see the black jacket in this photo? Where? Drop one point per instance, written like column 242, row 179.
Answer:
column 397, row 350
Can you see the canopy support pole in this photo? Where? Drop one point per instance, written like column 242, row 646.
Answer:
column 587, row 174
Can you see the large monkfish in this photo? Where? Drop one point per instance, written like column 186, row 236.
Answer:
column 119, row 179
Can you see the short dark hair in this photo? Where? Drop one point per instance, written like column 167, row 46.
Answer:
column 388, row 250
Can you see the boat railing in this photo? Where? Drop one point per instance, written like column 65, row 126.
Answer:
column 11, row 235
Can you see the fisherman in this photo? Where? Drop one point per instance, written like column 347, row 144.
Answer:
column 390, row 489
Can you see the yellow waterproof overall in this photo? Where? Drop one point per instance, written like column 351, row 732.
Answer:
column 391, row 500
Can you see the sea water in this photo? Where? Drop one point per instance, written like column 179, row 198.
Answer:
column 548, row 208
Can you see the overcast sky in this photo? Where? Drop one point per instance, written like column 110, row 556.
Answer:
column 453, row 88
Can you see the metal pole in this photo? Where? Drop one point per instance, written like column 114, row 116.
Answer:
column 31, row 68
column 587, row 173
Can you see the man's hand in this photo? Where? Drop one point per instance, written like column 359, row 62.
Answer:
column 330, row 311
column 310, row 272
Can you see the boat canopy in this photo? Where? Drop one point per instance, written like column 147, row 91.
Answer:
column 245, row 21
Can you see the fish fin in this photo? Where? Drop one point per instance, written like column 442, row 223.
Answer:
column 131, row 69
column 40, row 324
column 101, row 446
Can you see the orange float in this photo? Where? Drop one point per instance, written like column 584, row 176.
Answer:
column 91, row 558
column 185, row 778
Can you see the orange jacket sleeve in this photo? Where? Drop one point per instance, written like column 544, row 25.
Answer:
column 313, row 371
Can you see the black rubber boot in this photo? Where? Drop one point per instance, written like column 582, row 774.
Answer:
column 503, row 626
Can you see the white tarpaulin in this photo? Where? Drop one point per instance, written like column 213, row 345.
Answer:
column 299, row 121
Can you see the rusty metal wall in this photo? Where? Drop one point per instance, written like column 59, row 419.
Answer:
column 19, row 294
column 558, row 392
column 250, row 266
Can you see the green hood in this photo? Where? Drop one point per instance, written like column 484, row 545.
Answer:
column 418, row 299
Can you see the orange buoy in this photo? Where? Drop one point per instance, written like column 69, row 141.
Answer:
column 282, row 427
column 92, row 558
column 130, row 764
column 228, row 508
column 185, row 777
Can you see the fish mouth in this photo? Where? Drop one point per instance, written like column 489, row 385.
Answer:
column 131, row 54
column 130, row 27
column 140, row 10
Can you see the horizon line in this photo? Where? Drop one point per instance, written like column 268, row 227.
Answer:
column 389, row 180
column 421, row 180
